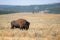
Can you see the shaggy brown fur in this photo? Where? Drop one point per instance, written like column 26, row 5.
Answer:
column 20, row 23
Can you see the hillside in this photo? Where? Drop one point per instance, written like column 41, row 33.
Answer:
column 42, row 27
column 52, row 8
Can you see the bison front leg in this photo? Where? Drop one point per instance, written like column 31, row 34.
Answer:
column 26, row 27
column 21, row 28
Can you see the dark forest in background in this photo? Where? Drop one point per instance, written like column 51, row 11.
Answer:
column 51, row 8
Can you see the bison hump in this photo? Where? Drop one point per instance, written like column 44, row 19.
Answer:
column 21, row 22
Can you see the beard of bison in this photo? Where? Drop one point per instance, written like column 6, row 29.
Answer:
column 20, row 25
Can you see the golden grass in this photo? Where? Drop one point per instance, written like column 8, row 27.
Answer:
column 42, row 27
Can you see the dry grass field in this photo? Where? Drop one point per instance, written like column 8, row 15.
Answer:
column 42, row 27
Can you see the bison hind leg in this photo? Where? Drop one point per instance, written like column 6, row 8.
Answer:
column 12, row 27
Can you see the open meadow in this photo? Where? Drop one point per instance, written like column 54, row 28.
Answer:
column 42, row 27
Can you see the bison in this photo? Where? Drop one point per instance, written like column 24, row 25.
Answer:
column 20, row 23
